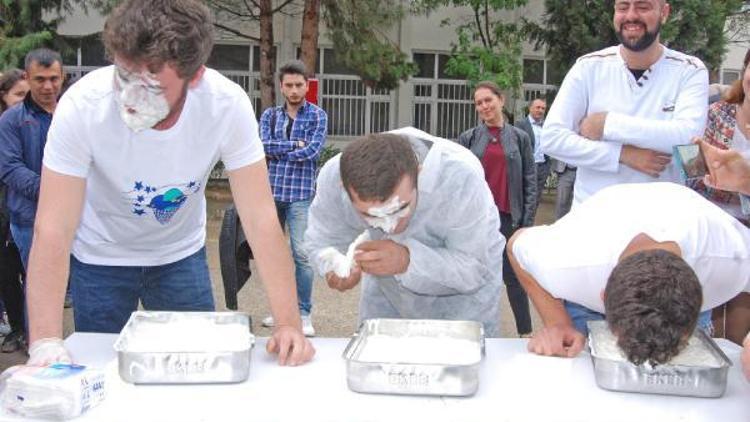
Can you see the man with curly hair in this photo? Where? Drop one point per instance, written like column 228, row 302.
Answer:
column 669, row 255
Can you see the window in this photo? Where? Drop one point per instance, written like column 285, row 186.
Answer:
column 230, row 57
column 729, row 76
column 442, row 68
column 555, row 73
column 92, row 51
column 533, row 71
column 333, row 67
column 444, row 105
column 89, row 49
column 426, row 64
column 317, row 59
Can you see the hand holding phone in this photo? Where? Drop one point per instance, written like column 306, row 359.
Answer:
column 690, row 161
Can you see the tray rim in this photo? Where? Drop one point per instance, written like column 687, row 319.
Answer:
column 118, row 347
column 357, row 340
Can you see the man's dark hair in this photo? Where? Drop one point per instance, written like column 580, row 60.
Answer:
column 292, row 67
column 159, row 32
column 374, row 165
column 652, row 301
column 43, row 57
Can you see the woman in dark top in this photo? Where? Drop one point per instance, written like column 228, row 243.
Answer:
column 507, row 157
column 13, row 89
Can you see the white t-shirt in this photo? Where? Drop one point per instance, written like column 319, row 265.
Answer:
column 666, row 106
column 145, row 202
column 573, row 258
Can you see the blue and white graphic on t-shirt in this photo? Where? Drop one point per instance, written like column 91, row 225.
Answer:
column 162, row 201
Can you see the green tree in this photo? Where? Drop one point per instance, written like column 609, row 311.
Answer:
column 358, row 29
column 488, row 47
column 24, row 29
column 232, row 16
column 572, row 28
column 697, row 27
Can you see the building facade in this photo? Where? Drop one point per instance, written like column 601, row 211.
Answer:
column 432, row 100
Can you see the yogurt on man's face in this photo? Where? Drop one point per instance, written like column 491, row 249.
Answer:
column 387, row 216
column 140, row 99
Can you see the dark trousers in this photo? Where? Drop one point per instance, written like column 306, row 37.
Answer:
column 11, row 274
column 519, row 302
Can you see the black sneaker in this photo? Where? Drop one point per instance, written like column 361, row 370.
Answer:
column 13, row 342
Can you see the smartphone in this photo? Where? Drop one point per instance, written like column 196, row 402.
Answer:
column 690, row 161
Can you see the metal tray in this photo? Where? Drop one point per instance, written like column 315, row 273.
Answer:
column 456, row 376
column 212, row 362
column 679, row 380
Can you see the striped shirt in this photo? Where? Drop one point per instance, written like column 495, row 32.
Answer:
column 291, row 163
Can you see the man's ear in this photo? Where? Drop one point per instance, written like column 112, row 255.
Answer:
column 602, row 295
column 666, row 10
column 197, row 77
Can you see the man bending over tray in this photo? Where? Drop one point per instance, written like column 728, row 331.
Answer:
column 128, row 155
column 411, row 217
column 647, row 257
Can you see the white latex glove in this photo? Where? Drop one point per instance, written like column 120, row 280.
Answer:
column 46, row 351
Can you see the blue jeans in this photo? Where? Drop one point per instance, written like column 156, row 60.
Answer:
column 294, row 215
column 22, row 238
column 105, row 296
column 581, row 314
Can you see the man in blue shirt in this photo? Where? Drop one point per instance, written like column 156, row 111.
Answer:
column 23, row 134
column 293, row 136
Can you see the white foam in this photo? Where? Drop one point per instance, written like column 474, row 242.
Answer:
column 419, row 349
column 189, row 335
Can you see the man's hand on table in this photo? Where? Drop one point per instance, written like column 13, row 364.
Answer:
column 47, row 351
column 291, row 345
column 382, row 257
column 557, row 340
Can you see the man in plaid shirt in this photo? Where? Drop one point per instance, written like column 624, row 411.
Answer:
column 293, row 136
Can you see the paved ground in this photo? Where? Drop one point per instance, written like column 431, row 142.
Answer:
column 334, row 313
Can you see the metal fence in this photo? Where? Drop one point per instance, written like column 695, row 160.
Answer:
column 445, row 108
column 441, row 107
column 354, row 109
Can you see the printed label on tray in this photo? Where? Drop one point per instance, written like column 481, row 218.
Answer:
column 406, row 378
column 667, row 379
column 181, row 363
